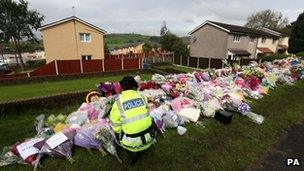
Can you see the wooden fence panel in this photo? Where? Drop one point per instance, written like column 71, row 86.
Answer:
column 131, row 63
column 184, row 61
column 216, row 63
column 47, row 69
column 112, row 64
column 203, row 63
column 168, row 59
column 176, row 60
column 92, row 65
column 193, row 62
column 68, row 67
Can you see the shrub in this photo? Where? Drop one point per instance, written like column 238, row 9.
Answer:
column 272, row 57
column 36, row 63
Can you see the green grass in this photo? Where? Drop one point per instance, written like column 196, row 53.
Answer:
column 120, row 40
column 301, row 54
column 180, row 68
column 184, row 69
column 213, row 147
column 25, row 91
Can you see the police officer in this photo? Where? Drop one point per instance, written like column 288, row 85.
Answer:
column 130, row 119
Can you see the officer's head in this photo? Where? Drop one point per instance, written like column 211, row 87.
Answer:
column 128, row 83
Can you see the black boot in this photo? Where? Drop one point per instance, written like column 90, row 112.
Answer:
column 133, row 157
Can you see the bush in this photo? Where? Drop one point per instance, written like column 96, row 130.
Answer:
column 36, row 63
column 272, row 57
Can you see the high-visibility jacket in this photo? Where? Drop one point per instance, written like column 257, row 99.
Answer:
column 131, row 120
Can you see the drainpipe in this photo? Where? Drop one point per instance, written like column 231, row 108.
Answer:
column 76, row 41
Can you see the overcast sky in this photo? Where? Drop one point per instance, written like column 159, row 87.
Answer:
column 146, row 16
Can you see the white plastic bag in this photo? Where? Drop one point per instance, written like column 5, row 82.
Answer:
column 181, row 130
column 259, row 119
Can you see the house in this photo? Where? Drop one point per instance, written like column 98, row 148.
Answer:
column 72, row 38
column 11, row 58
column 128, row 49
column 276, row 44
column 225, row 41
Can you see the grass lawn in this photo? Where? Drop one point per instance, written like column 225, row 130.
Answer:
column 24, row 91
column 213, row 147
column 177, row 67
column 184, row 69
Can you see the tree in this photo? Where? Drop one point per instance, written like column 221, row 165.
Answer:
column 267, row 18
column 296, row 40
column 287, row 29
column 147, row 47
column 18, row 22
column 164, row 30
column 155, row 47
column 106, row 49
column 171, row 42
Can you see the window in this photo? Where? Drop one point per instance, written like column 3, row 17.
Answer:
column 236, row 38
column 263, row 40
column 86, row 57
column 85, row 37
column 251, row 39
column 274, row 41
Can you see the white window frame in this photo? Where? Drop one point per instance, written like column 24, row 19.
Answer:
column 86, row 37
column 236, row 38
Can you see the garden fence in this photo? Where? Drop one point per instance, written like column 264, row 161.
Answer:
column 203, row 63
column 110, row 63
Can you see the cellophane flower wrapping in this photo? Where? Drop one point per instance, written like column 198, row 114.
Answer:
column 77, row 119
column 107, row 139
column 63, row 150
column 106, row 89
column 7, row 157
column 85, row 136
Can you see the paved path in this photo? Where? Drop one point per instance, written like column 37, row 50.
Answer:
column 291, row 145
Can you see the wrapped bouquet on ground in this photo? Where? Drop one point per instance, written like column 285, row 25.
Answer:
column 172, row 100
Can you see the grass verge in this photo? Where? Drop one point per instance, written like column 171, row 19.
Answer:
column 213, row 147
column 26, row 91
column 178, row 68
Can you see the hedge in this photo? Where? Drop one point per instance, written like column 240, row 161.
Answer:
column 272, row 57
column 36, row 63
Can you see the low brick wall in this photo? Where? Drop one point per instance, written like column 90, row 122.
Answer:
column 46, row 102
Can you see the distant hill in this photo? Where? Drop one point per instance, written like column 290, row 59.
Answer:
column 122, row 40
